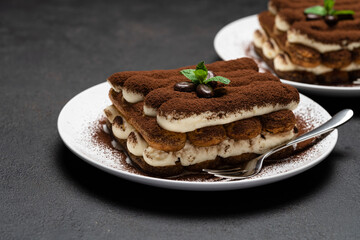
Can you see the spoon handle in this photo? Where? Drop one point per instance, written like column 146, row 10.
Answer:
column 337, row 120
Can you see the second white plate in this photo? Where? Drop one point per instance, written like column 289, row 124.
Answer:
column 234, row 41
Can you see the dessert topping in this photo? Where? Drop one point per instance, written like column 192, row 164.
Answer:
column 328, row 13
column 331, row 20
column 185, row 87
column 218, row 92
column 204, row 91
column 202, row 79
column 311, row 17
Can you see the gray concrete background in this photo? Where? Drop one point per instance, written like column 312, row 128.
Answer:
column 52, row 50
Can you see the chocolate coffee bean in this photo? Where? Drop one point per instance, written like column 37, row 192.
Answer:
column 204, row 91
column 345, row 17
column 219, row 92
column 184, row 87
column 212, row 84
column 312, row 17
column 331, row 20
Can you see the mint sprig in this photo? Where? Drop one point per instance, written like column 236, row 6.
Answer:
column 329, row 5
column 201, row 72
column 327, row 9
column 199, row 75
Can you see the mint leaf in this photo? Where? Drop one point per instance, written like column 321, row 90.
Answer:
column 329, row 5
column 190, row 74
column 317, row 10
column 201, row 75
column 201, row 72
column 201, row 65
column 344, row 12
column 217, row 79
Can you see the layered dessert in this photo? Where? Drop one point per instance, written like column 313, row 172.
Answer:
column 195, row 117
column 311, row 41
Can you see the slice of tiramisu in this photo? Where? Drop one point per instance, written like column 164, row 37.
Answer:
column 200, row 116
column 311, row 41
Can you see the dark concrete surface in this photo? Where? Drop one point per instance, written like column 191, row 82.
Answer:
column 52, row 50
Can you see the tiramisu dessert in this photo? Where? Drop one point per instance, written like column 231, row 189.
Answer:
column 311, row 41
column 195, row 117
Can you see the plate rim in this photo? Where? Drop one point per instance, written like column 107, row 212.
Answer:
column 320, row 89
column 180, row 184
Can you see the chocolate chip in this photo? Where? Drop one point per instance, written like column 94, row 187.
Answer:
column 185, row 87
column 312, row 17
column 331, row 20
column 204, row 91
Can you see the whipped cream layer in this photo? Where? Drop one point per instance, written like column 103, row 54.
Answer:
column 268, row 46
column 119, row 126
column 149, row 111
column 272, row 8
column 281, row 24
column 352, row 67
column 136, row 144
column 131, row 96
column 282, row 61
column 116, row 88
column 191, row 154
column 177, row 123
column 111, row 113
column 295, row 36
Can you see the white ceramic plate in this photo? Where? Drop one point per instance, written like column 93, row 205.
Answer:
column 80, row 115
column 234, row 41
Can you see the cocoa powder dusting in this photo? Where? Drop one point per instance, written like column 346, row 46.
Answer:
column 119, row 78
column 237, row 98
column 102, row 138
